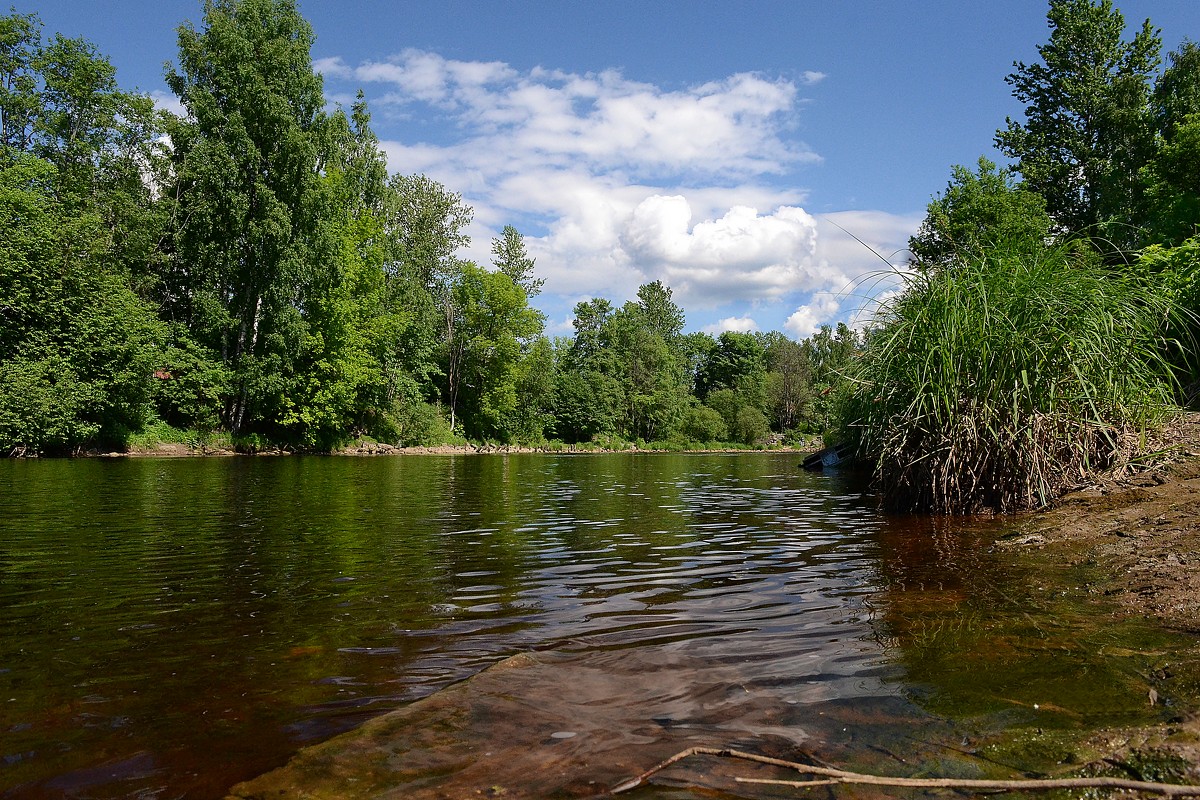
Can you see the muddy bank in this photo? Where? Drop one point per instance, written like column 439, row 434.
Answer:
column 1143, row 534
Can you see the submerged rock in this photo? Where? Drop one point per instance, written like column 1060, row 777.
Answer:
column 549, row 724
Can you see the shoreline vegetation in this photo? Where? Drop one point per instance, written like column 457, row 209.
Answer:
column 1047, row 333
column 167, row 449
column 250, row 267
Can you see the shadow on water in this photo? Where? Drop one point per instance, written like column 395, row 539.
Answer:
column 174, row 627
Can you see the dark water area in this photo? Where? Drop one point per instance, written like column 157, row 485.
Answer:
column 171, row 627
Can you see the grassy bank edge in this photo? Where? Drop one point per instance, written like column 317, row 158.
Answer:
column 162, row 440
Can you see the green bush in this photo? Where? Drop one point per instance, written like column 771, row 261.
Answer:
column 43, row 406
column 703, row 424
column 158, row 432
column 1177, row 271
column 726, row 403
column 189, row 388
column 251, row 443
column 1004, row 381
column 750, row 425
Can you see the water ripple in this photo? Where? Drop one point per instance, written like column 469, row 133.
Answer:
column 264, row 602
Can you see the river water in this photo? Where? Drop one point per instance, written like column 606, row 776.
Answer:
column 171, row 627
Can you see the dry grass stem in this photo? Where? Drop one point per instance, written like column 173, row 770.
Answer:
column 830, row 775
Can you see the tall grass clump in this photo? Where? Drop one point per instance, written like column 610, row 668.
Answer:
column 1002, row 380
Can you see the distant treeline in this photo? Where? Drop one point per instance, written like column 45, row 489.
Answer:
column 251, row 269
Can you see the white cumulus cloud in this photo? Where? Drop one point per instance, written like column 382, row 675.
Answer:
column 614, row 181
column 734, row 324
column 740, row 256
column 551, row 118
column 332, row 67
column 808, row 318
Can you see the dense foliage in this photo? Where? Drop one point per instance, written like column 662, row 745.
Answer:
column 251, row 268
column 1087, row 130
column 78, row 346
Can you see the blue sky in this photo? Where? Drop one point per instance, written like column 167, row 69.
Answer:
column 722, row 147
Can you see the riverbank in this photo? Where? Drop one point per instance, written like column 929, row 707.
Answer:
column 1143, row 532
column 364, row 448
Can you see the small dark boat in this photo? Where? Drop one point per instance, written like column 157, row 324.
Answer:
column 829, row 457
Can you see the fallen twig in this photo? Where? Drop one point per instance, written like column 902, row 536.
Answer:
column 830, row 775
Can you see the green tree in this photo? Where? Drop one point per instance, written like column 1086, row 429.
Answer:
column 1173, row 185
column 647, row 359
column 591, row 344
column 395, row 315
column 695, row 348
column 830, row 352
column 726, row 403
column 355, row 149
column 76, row 118
column 657, row 312
column 77, row 345
column 742, row 419
column 495, row 330
column 1087, row 131
column 511, row 258
column 424, row 229
column 1170, row 179
column 979, row 210
column 60, row 101
column 1177, row 90
column 107, row 148
column 365, row 351
column 789, row 381
column 20, row 41
column 247, row 183
column 733, row 381
column 586, row 405
column 536, row 380
column 78, row 348
column 588, row 396
column 737, row 361
column 335, row 380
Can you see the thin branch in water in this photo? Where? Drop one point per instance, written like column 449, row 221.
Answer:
column 838, row 776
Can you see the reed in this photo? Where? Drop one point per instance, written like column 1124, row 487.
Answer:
column 1006, row 379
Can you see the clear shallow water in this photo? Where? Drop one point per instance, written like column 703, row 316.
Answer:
column 170, row 627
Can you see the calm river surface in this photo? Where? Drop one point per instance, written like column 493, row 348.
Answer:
column 171, row 627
